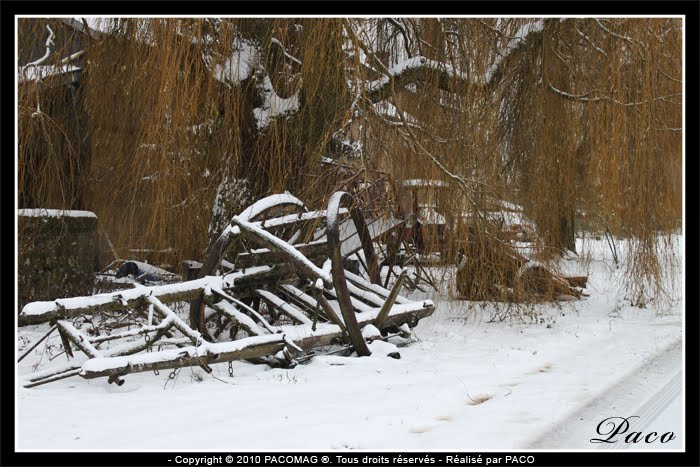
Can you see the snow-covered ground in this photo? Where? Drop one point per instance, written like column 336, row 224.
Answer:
column 464, row 383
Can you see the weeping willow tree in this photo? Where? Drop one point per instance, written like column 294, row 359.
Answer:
column 177, row 124
column 591, row 124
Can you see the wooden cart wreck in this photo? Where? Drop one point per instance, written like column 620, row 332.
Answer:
column 285, row 290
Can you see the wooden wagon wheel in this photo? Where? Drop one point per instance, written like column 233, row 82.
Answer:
column 258, row 211
column 337, row 269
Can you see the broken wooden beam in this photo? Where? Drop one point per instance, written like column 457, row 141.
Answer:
column 67, row 308
column 287, row 252
column 243, row 349
column 384, row 311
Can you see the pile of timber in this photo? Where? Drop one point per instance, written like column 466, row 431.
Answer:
column 283, row 291
column 491, row 269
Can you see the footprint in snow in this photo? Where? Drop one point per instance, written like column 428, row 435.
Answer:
column 421, row 429
column 509, row 384
column 541, row 369
column 478, row 399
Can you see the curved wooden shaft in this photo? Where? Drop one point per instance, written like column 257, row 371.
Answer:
column 337, row 269
column 223, row 244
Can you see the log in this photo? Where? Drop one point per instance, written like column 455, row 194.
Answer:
column 534, row 281
column 55, row 377
column 67, row 308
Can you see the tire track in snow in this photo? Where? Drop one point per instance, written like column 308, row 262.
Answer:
column 620, row 400
column 652, row 409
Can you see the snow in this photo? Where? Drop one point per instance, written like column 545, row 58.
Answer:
column 54, row 213
column 411, row 64
column 423, row 183
column 239, row 66
column 430, row 216
column 519, row 38
column 267, row 203
column 464, row 383
column 287, row 308
column 274, row 105
column 39, row 72
column 286, row 247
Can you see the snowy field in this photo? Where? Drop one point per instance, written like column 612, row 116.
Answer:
column 464, row 383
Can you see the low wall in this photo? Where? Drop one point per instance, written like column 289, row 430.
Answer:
column 57, row 254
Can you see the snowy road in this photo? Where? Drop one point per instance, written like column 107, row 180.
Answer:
column 647, row 400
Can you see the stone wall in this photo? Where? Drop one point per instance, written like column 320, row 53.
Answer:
column 57, row 254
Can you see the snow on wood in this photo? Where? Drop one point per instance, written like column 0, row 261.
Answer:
column 366, row 295
column 356, row 304
column 39, row 312
column 332, row 309
column 274, row 105
column 238, row 67
column 181, row 326
column 147, row 329
column 245, row 321
column 423, row 183
column 246, row 307
column 39, row 72
column 267, row 203
column 513, row 44
column 216, row 296
column 389, row 303
column 185, row 356
column 251, row 347
column 284, row 51
column 374, row 288
column 290, row 219
column 414, row 69
column 78, row 338
column 291, row 253
column 54, row 213
column 287, row 308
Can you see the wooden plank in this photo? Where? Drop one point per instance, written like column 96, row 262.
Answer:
column 78, row 338
column 350, row 240
column 316, row 252
column 331, row 309
column 288, row 253
column 67, row 308
column 358, row 305
column 375, row 288
column 288, row 309
column 243, row 349
column 384, row 312
column 244, row 320
column 339, row 282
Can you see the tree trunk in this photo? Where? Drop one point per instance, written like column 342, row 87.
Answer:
column 567, row 231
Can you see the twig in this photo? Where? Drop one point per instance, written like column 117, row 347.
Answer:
column 466, row 390
column 37, row 343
